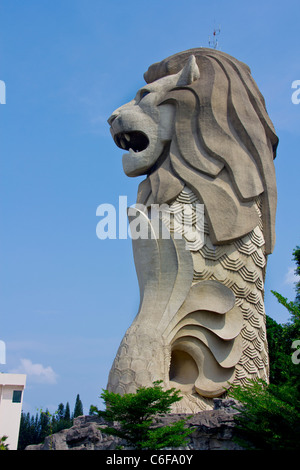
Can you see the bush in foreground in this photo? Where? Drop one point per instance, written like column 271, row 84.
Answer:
column 269, row 417
column 135, row 414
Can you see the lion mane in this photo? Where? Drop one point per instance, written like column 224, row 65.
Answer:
column 223, row 146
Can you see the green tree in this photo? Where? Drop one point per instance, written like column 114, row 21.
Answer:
column 296, row 257
column 61, row 419
column 269, row 417
column 29, row 431
column 44, row 424
column 285, row 371
column 78, row 410
column 136, row 412
column 279, row 352
column 67, row 416
column 61, row 411
column 34, row 429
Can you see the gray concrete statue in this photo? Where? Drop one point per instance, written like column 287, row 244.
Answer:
column 200, row 133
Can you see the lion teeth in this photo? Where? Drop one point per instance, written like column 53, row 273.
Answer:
column 123, row 145
column 127, row 137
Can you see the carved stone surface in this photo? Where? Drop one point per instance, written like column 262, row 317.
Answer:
column 200, row 132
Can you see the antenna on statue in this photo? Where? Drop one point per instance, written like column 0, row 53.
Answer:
column 214, row 41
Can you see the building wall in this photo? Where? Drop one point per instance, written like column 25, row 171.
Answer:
column 10, row 410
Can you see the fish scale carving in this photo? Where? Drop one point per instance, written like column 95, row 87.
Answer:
column 243, row 267
column 133, row 365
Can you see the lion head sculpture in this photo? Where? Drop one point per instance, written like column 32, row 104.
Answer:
column 202, row 122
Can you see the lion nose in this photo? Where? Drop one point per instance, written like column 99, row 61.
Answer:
column 112, row 118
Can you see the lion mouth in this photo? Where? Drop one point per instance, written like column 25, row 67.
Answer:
column 136, row 140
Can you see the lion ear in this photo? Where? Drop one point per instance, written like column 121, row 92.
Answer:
column 189, row 73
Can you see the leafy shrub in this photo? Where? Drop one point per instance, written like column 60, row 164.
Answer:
column 135, row 414
column 269, row 417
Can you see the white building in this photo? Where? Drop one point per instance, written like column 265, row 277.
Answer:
column 11, row 399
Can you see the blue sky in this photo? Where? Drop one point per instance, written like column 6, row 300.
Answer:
column 66, row 296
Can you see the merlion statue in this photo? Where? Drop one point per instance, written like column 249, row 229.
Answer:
column 200, row 133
